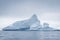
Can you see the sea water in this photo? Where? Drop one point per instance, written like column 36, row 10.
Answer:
column 29, row 35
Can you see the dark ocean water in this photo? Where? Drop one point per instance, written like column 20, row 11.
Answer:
column 29, row 35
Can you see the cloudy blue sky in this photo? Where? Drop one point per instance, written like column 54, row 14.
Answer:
column 46, row 10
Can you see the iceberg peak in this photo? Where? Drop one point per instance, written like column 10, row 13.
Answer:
column 34, row 17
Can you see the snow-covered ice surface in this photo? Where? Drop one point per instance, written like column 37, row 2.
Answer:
column 29, row 35
column 30, row 24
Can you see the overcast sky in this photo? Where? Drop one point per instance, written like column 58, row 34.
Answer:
column 46, row 10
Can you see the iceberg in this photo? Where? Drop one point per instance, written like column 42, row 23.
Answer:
column 30, row 24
